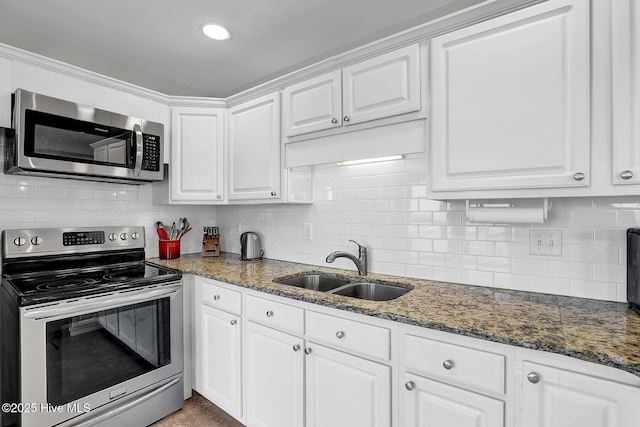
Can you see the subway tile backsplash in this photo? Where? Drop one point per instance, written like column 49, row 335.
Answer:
column 382, row 206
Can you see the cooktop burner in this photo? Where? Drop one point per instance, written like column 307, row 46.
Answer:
column 61, row 284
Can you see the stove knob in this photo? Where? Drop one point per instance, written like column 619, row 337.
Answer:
column 36, row 240
column 19, row 241
column 135, row 236
column 124, row 236
column 113, row 236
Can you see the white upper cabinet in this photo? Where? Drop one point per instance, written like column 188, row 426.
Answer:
column 197, row 155
column 313, row 105
column 386, row 85
column 626, row 91
column 5, row 92
column 253, row 149
column 511, row 102
column 383, row 86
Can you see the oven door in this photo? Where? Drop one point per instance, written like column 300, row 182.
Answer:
column 84, row 358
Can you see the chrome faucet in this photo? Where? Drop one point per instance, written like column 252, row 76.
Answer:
column 360, row 262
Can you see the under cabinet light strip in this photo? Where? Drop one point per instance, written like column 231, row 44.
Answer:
column 372, row 160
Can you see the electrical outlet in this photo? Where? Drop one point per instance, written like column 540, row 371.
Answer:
column 307, row 231
column 545, row 242
column 239, row 228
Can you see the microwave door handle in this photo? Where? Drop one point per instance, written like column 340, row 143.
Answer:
column 139, row 144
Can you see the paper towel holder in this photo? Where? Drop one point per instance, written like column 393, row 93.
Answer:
column 498, row 213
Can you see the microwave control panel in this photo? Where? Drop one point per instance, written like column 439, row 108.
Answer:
column 151, row 153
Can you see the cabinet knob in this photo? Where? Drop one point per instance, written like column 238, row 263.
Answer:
column 578, row 176
column 334, row 120
column 269, row 313
column 346, row 119
column 307, row 350
column 216, row 297
column 219, row 196
column 296, row 347
column 273, row 193
column 626, row 174
column 533, row 378
column 234, row 322
column 340, row 334
column 447, row 364
column 409, row 385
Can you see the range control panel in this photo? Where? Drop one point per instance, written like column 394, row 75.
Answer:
column 53, row 241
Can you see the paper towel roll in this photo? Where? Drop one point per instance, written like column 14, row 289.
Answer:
column 489, row 215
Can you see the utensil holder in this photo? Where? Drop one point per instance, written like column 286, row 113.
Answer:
column 169, row 249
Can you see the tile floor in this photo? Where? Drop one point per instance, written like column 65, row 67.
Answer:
column 198, row 412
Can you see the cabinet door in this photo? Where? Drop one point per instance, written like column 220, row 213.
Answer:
column 384, row 86
column 218, row 359
column 196, row 154
column 556, row 397
column 274, row 369
column 254, row 149
column 312, row 105
column 346, row 391
column 511, row 101
column 626, row 91
column 5, row 92
column 426, row 402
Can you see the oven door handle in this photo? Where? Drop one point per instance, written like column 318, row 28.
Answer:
column 101, row 304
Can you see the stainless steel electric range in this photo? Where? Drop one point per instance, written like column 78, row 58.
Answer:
column 91, row 333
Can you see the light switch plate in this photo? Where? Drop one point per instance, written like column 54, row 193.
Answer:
column 545, row 242
column 307, row 231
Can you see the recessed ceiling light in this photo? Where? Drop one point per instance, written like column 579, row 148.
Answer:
column 216, row 32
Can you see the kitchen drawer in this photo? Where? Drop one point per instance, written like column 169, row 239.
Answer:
column 355, row 337
column 454, row 364
column 222, row 298
column 275, row 314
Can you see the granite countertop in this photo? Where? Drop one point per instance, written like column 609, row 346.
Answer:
column 603, row 332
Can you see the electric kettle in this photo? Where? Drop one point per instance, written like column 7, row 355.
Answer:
column 250, row 246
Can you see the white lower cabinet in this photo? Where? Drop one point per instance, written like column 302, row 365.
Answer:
column 275, row 372
column 432, row 403
column 293, row 380
column 555, row 397
column 343, row 390
column 218, row 354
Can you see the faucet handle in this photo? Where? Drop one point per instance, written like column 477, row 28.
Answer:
column 360, row 247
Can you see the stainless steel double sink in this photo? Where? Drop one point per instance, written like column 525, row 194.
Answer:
column 349, row 287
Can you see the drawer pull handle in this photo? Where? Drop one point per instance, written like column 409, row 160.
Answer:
column 296, row 347
column 340, row 334
column 234, row 322
column 533, row 378
column 626, row 174
column 409, row 385
column 307, row 351
column 216, row 297
column 448, row 364
column 269, row 313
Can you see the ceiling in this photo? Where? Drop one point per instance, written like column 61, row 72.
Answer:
column 158, row 44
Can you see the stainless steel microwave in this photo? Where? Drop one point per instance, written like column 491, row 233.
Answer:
column 58, row 138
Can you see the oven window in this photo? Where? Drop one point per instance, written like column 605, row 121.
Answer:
column 89, row 353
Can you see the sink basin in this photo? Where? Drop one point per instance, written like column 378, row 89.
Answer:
column 371, row 291
column 317, row 282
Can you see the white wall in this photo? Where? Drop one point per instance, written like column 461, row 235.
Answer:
column 384, row 207
column 34, row 202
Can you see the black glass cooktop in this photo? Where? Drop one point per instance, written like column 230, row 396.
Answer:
column 52, row 286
